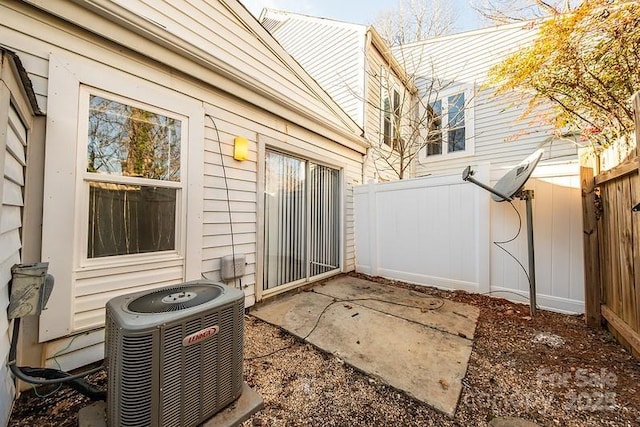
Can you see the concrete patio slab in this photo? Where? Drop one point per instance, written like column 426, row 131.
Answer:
column 452, row 317
column 413, row 342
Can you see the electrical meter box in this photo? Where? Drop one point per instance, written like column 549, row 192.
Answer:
column 31, row 287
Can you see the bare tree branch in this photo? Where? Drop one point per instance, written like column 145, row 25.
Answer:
column 414, row 20
column 508, row 11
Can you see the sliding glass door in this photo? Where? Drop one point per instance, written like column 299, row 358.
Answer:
column 302, row 220
column 324, row 204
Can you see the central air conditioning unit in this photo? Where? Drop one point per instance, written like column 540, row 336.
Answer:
column 174, row 354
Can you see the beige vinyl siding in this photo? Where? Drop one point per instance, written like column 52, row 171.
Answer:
column 232, row 120
column 373, row 114
column 502, row 136
column 34, row 58
column 347, row 65
column 78, row 304
column 38, row 35
column 199, row 22
column 373, row 119
column 12, row 164
column 93, row 288
column 331, row 52
column 272, row 71
column 375, row 167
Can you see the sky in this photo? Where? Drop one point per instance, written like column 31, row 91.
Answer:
column 358, row 11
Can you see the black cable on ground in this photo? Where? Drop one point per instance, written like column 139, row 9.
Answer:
column 303, row 338
column 506, row 292
column 78, row 384
column 338, row 300
column 53, row 376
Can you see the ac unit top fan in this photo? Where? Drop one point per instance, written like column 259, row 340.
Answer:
column 174, row 354
column 175, row 299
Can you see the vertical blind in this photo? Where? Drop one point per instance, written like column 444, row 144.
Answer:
column 325, row 219
column 302, row 220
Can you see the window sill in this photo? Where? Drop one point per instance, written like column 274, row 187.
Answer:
column 445, row 157
column 128, row 260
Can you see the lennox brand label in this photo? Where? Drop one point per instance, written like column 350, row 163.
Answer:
column 199, row 336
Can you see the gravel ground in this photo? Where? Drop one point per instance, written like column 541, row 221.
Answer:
column 551, row 369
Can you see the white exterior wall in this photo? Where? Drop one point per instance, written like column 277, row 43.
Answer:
column 376, row 167
column 77, row 309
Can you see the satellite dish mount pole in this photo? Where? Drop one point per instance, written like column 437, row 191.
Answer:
column 510, row 186
column 527, row 196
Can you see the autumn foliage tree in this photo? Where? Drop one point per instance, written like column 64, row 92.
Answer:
column 587, row 64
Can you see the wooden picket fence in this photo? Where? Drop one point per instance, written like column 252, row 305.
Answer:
column 612, row 244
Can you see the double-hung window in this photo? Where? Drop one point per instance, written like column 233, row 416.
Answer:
column 449, row 125
column 132, row 178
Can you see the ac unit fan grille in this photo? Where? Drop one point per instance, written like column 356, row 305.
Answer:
column 174, row 299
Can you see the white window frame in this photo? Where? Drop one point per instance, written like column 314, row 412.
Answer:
column 63, row 242
column 389, row 86
column 469, row 120
column 84, row 178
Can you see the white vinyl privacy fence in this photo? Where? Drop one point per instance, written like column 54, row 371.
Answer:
column 440, row 231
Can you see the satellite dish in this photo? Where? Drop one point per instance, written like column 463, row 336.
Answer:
column 513, row 181
column 508, row 187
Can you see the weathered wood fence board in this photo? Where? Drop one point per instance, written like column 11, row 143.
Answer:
column 612, row 273
column 593, row 291
column 619, row 229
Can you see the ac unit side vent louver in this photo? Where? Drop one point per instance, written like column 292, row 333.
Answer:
column 174, row 368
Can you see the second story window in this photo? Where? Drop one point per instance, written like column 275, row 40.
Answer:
column 391, row 117
column 450, row 126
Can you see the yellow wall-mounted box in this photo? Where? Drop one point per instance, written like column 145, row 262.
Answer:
column 240, row 148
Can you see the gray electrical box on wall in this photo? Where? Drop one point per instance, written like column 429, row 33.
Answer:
column 229, row 269
column 31, row 287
